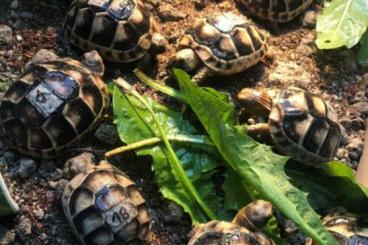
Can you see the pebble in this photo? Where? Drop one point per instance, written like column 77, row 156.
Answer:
column 107, row 134
column 173, row 213
column 361, row 107
column 25, row 225
column 27, row 167
column 168, row 13
column 6, row 236
column 309, row 19
column 14, row 4
column 39, row 213
column 6, row 35
column 200, row 4
column 290, row 73
column 43, row 55
column 9, row 157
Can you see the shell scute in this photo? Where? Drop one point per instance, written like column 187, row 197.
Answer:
column 227, row 43
column 301, row 122
column 115, row 211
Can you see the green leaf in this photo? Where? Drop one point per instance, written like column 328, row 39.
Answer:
column 135, row 123
column 363, row 52
column 7, row 204
column 342, row 23
column 331, row 185
column 258, row 167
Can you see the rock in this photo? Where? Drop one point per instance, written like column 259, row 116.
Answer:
column 355, row 144
column 6, row 236
column 173, row 213
column 107, row 134
column 290, row 74
column 304, row 50
column 25, row 225
column 167, row 13
column 43, row 55
column 10, row 157
column 26, row 168
column 6, row 35
column 200, row 4
column 361, row 107
column 14, row 4
column 39, row 213
column 309, row 18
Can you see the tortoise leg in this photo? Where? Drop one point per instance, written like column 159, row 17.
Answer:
column 259, row 131
column 202, row 73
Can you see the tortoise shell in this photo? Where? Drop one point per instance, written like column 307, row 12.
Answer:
column 225, row 233
column 226, row 43
column 103, row 206
column 348, row 230
column 275, row 10
column 120, row 30
column 302, row 125
column 51, row 107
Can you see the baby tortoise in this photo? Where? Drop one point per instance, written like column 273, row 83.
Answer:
column 220, row 45
column 347, row 229
column 102, row 205
column 245, row 229
column 53, row 105
column 275, row 10
column 122, row 31
column 301, row 124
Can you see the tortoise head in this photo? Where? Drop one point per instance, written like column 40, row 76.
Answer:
column 94, row 62
column 254, row 216
column 257, row 102
column 79, row 164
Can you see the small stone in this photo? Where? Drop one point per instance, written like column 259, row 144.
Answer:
column 52, row 184
column 200, row 4
column 25, row 14
column 355, row 144
column 14, row 4
column 304, row 50
column 39, row 213
column 6, row 236
column 290, row 73
column 107, row 134
column 43, row 55
column 309, row 18
column 167, row 13
column 361, row 107
column 173, row 213
column 26, row 168
column 6, row 35
column 25, row 225
column 10, row 157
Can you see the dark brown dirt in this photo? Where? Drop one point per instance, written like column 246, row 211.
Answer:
column 37, row 24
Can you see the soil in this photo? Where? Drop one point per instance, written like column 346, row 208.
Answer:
column 294, row 60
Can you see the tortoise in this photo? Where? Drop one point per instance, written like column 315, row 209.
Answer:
column 102, row 205
column 275, row 10
column 301, row 124
column 347, row 229
column 220, row 45
column 245, row 229
column 53, row 105
column 122, row 31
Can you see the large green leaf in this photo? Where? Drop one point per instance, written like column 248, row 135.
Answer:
column 342, row 23
column 135, row 123
column 331, row 185
column 258, row 167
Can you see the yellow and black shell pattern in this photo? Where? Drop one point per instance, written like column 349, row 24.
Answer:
column 225, row 43
column 51, row 107
column 225, row 233
column 303, row 126
column 275, row 10
column 103, row 206
column 347, row 229
column 120, row 30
